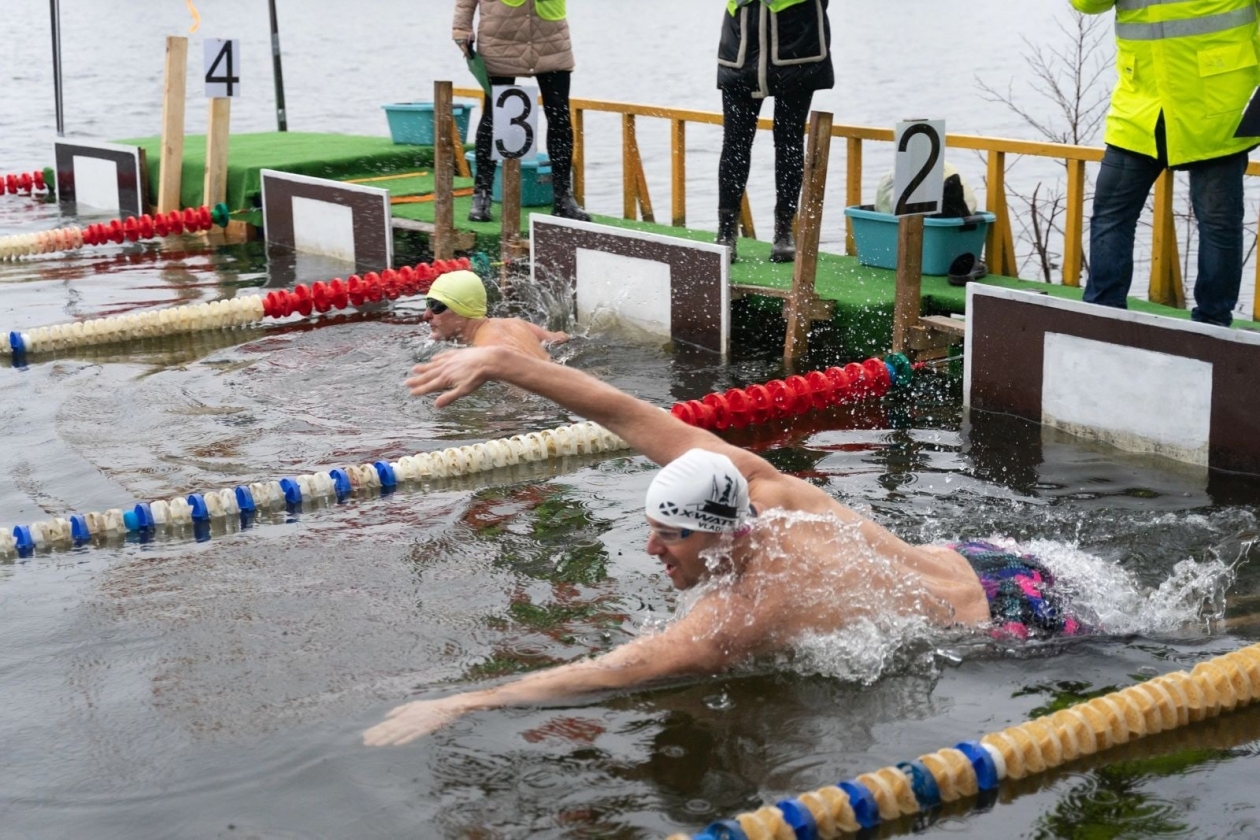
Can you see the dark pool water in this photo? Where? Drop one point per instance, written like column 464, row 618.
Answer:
column 219, row 688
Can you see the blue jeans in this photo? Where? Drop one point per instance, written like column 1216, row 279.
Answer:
column 1216, row 193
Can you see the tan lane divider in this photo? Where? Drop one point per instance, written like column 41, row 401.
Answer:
column 1160, row 704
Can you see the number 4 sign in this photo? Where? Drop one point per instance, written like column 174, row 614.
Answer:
column 515, row 121
column 919, row 174
column 223, row 68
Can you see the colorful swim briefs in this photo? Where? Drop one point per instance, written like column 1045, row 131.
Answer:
column 1021, row 592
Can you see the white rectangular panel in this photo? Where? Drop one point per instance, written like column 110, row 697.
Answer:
column 1138, row 400
column 634, row 290
column 321, row 227
column 96, row 184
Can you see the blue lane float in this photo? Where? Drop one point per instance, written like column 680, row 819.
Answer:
column 197, row 511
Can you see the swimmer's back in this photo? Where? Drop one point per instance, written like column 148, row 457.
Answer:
column 513, row 333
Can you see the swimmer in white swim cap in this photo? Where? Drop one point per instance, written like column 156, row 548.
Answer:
column 786, row 561
column 699, row 491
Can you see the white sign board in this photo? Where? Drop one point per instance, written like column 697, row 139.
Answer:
column 515, row 122
column 919, row 174
column 223, row 68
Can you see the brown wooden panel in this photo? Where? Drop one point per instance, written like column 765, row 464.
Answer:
column 695, row 275
column 1007, row 347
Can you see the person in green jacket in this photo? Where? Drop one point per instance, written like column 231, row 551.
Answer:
column 1186, row 72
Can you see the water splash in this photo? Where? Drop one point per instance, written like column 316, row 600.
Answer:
column 1190, row 600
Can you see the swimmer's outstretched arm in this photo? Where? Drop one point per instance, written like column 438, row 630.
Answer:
column 700, row 643
column 657, row 434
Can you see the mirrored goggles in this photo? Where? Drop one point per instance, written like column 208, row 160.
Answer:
column 669, row 536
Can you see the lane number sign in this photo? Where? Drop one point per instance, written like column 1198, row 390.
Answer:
column 223, row 68
column 515, row 121
column 919, row 173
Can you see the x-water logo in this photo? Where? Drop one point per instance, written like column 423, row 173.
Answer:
column 716, row 511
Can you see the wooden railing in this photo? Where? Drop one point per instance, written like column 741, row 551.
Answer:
column 1165, row 281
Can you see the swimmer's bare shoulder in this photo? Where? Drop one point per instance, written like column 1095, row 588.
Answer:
column 513, row 333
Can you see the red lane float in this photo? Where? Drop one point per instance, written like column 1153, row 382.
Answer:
column 23, row 183
column 355, row 290
column 778, row 398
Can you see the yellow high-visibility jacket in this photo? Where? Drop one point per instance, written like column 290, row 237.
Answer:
column 1192, row 60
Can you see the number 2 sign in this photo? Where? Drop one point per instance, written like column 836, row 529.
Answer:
column 515, row 121
column 223, row 74
column 919, row 174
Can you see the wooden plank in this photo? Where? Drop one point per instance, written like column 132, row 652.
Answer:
column 804, row 269
column 443, row 174
column 678, row 172
column 174, row 98
column 853, row 190
column 909, row 280
column 1074, row 226
column 214, row 190
column 819, row 309
column 464, row 240
column 945, row 324
column 510, row 209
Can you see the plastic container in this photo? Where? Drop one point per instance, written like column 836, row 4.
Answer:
column 944, row 240
column 535, row 180
column 411, row 123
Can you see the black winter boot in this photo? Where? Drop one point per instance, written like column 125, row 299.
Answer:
column 480, row 211
column 728, row 229
column 566, row 207
column 784, row 248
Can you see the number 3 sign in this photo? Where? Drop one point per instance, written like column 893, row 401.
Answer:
column 223, row 68
column 515, row 121
column 919, row 174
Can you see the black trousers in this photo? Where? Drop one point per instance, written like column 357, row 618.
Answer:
column 739, row 114
column 554, row 88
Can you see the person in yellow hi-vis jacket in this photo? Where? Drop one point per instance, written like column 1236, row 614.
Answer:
column 523, row 38
column 1187, row 69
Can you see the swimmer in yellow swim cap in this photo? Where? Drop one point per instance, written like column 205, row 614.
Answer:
column 456, row 311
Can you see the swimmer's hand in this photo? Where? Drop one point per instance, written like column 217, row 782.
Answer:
column 456, row 372
column 410, row 721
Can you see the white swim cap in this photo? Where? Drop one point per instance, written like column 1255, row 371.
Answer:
column 700, row 490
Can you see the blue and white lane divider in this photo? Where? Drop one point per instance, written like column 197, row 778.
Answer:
column 200, row 509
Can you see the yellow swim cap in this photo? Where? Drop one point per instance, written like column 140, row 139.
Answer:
column 462, row 291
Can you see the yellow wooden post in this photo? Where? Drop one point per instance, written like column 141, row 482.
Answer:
column 457, row 149
column 853, row 189
column 1255, row 296
column 1000, row 246
column 578, row 175
column 746, row 228
column 629, row 183
column 174, row 98
column 678, row 170
column 798, row 304
column 1073, row 229
column 214, row 189
column 443, row 174
column 641, row 193
column 1165, row 266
